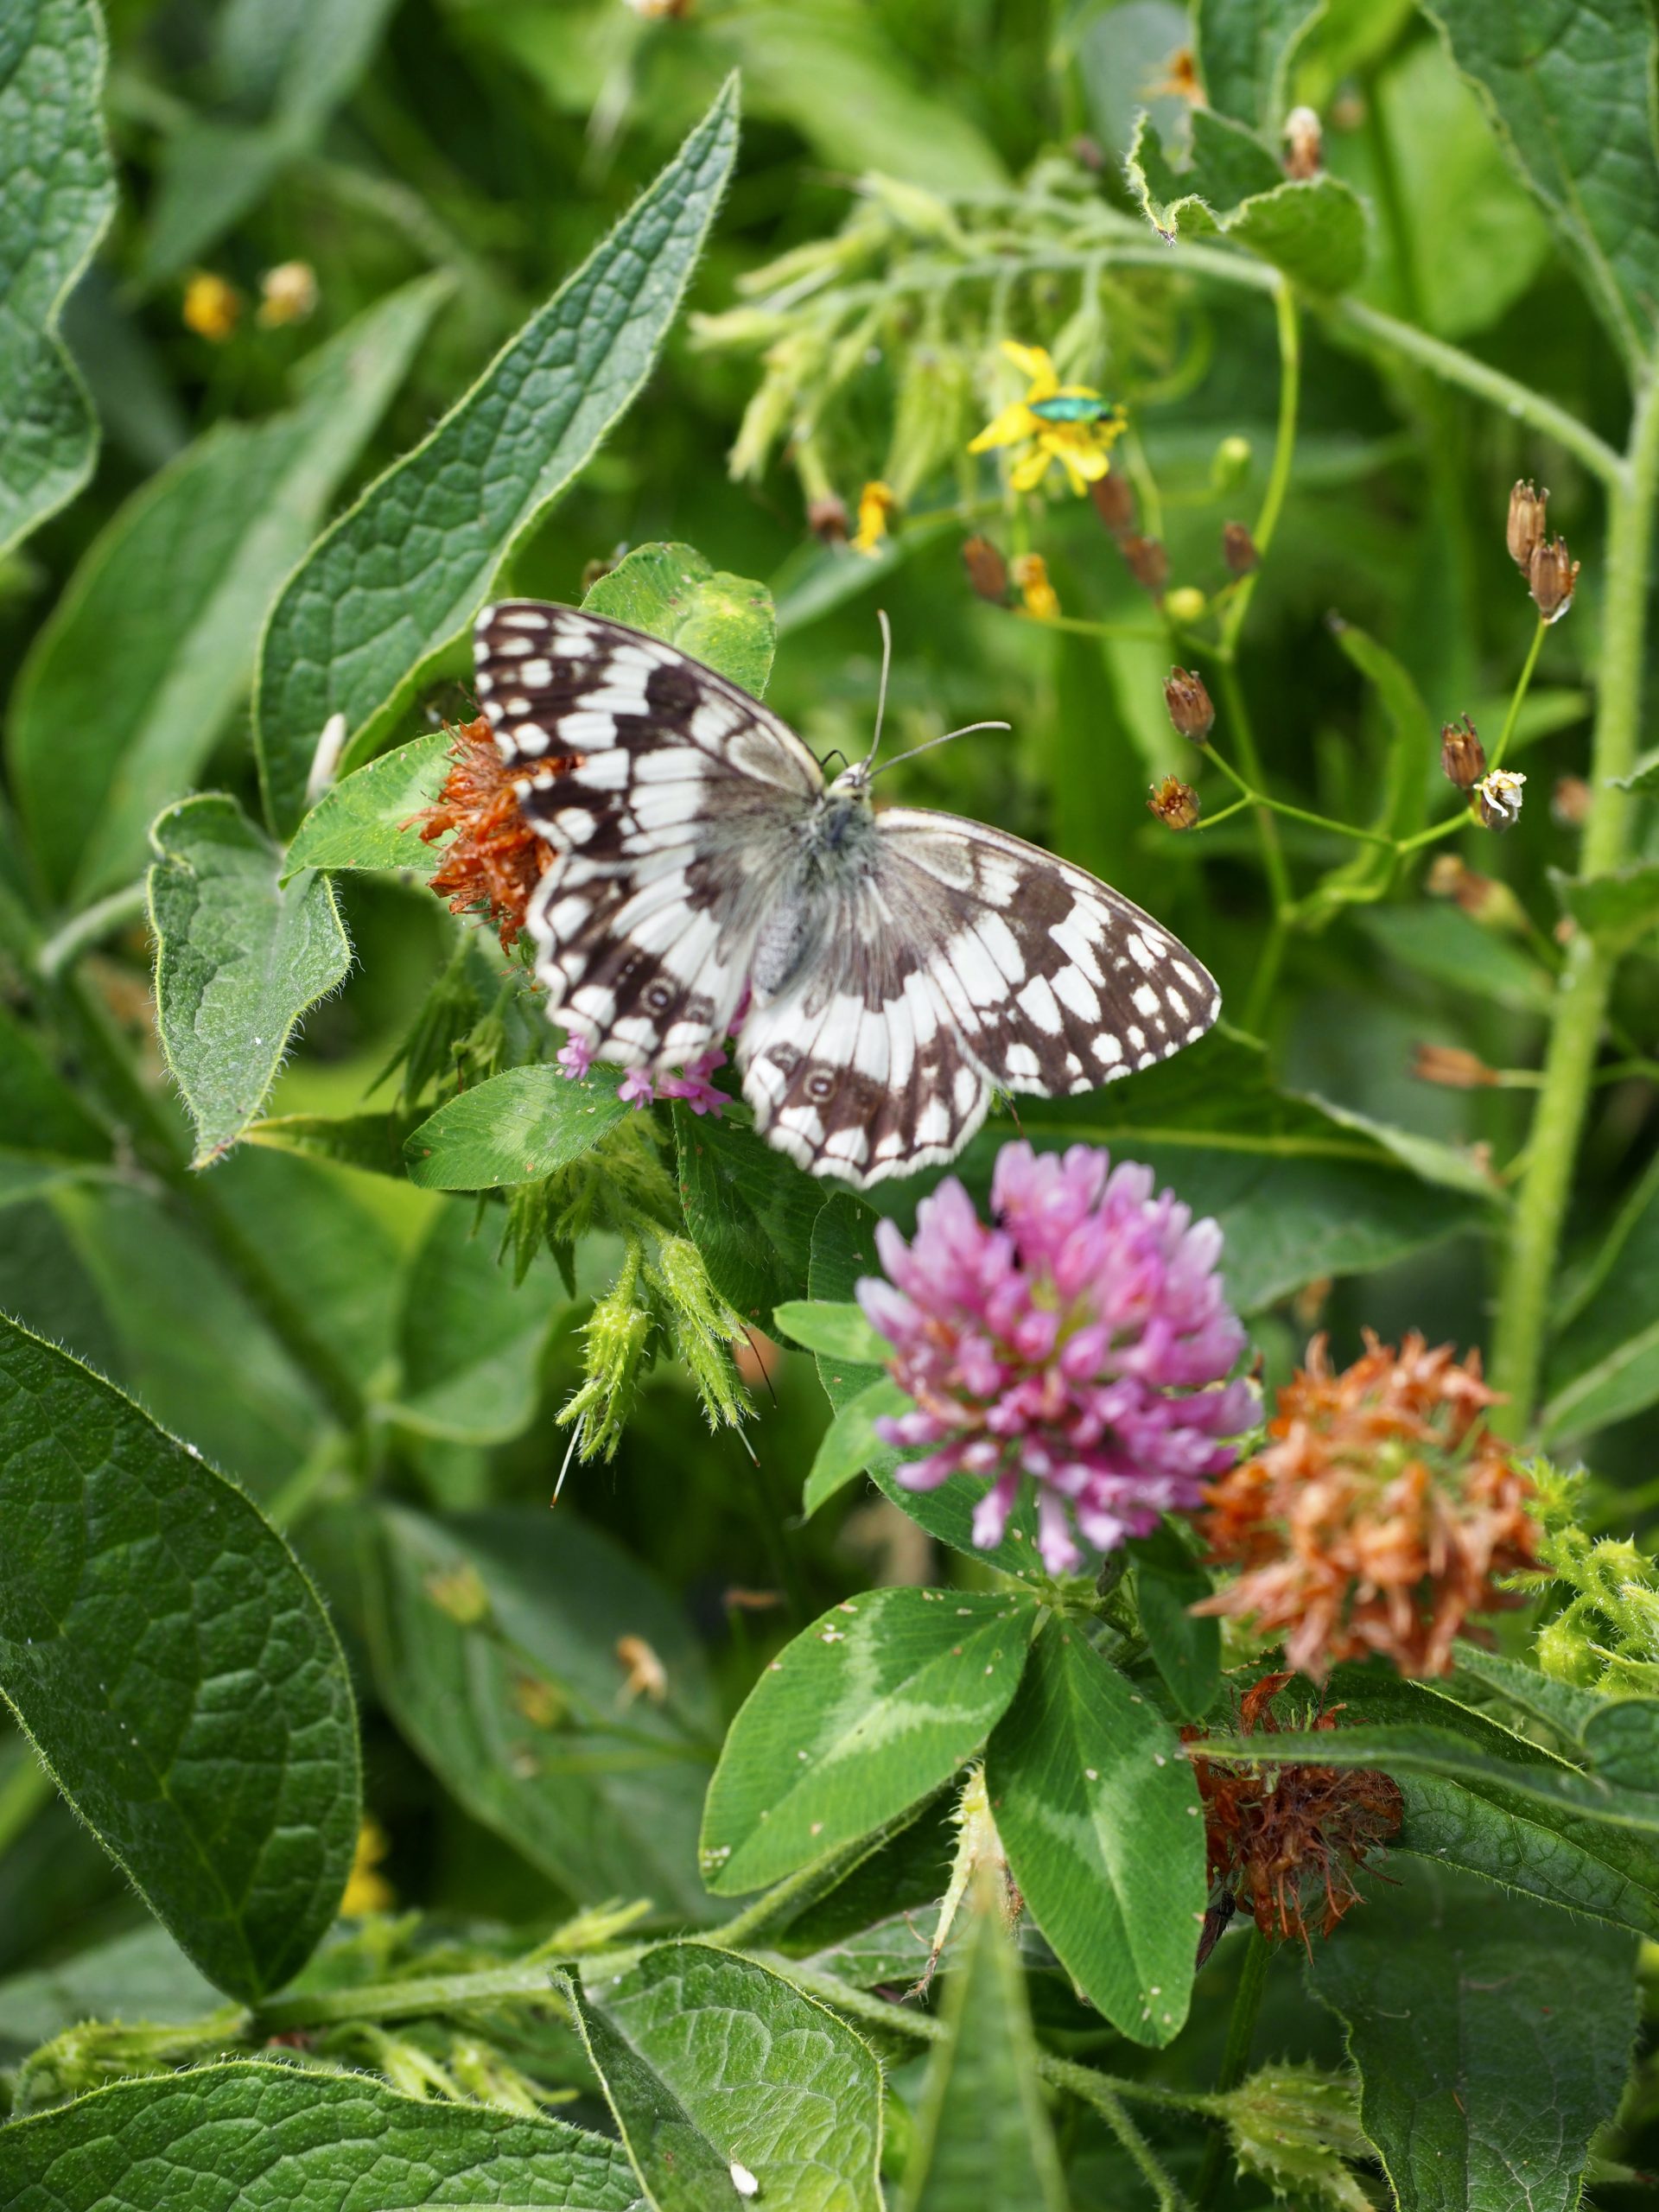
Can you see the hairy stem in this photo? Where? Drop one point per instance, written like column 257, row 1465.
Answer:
column 1241, row 2034
column 1587, row 977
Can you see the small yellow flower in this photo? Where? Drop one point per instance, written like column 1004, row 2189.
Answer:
column 211, row 307
column 876, row 504
column 288, row 294
column 1038, row 596
column 365, row 1889
column 1080, row 441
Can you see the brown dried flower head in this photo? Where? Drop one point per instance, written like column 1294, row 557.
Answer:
column 1463, row 757
column 1527, row 524
column 1378, row 1515
column 826, row 518
column 1113, row 498
column 988, row 572
column 1499, row 797
column 496, row 859
column 1283, row 1839
column 1175, row 803
column 1450, row 1066
column 1190, row 707
column 1238, row 548
column 1552, row 576
column 1148, row 563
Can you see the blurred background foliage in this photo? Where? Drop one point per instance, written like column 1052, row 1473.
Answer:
column 495, row 141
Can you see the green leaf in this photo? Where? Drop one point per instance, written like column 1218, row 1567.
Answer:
column 1622, row 1743
column 834, row 1333
column 492, row 1639
column 865, row 1714
column 982, row 2135
column 1617, row 910
column 670, row 592
column 1298, row 1193
column 471, row 1340
column 1098, row 1813
column 1604, row 1364
column 401, row 575
column 283, row 69
column 714, row 2064
column 1245, row 48
column 373, row 1142
column 1409, row 756
column 175, row 1670
column 1313, row 228
column 516, row 1127
column 368, row 819
column 263, row 2138
column 1169, row 1581
column 142, row 1975
column 1227, row 164
column 1492, row 2036
column 239, row 958
column 748, row 1209
column 150, row 650
column 1445, row 945
column 1566, row 85
column 57, row 193
column 40, row 1116
column 850, row 1442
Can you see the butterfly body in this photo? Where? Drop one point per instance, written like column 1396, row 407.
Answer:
column 885, row 971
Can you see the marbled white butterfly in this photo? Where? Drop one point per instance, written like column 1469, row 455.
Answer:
column 886, row 972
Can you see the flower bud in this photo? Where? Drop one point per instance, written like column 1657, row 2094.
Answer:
column 1229, row 464
column 1451, row 1067
column 1175, row 803
column 988, row 572
column 1303, row 144
column 826, row 518
column 1463, row 757
column 1499, row 797
column 1238, row 548
column 288, row 294
column 1148, row 563
column 876, row 506
column 1529, row 520
column 1190, row 707
column 1185, row 605
column 212, row 307
column 1571, row 801
column 1551, row 575
column 1113, row 498
column 1037, row 595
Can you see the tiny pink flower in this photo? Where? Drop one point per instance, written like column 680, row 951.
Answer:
column 692, row 1086
column 575, row 1057
column 636, row 1088
column 1082, row 1338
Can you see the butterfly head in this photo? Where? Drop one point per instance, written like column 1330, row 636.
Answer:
column 853, row 782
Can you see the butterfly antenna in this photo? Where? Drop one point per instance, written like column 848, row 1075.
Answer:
column 881, row 696
column 967, row 730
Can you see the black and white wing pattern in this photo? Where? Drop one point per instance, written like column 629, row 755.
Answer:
column 669, row 795
column 964, row 962
column 891, row 970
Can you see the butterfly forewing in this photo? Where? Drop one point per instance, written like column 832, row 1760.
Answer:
column 896, row 971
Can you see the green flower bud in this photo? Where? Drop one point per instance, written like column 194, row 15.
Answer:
column 1229, row 464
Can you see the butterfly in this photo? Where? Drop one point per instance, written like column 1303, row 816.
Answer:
column 885, row 973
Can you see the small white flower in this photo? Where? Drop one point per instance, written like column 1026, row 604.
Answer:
column 1499, row 797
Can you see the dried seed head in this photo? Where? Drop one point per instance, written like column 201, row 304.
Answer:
column 496, row 859
column 826, row 518
column 1304, row 144
column 1499, row 797
column 1451, row 1067
column 1552, row 574
column 1463, row 757
column 1529, row 516
column 1571, row 801
column 1238, row 548
column 1190, row 707
column 988, row 572
column 1114, row 501
column 1175, row 803
column 1148, row 563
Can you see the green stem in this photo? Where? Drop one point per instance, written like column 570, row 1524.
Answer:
column 1518, row 695
column 91, row 926
column 1284, row 450
column 1241, row 2034
column 1243, row 737
column 1582, row 994
column 404, row 2000
column 1106, row 2098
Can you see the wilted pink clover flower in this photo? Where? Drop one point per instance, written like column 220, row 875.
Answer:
column 1082, row 1338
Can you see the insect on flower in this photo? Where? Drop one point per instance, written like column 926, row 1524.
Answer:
column 1069, row 424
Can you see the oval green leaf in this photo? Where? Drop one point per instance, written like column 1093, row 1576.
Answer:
column 514, row 1128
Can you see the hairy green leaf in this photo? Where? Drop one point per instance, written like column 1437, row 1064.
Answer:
column 516, row 1127
column 867, row 1711
column 239, row 958
column 1245, row 48
column 372, row 1142
column 263, row 2138
column 1099, row 1815
column 151, row 647
column 142, row 1975
column 173, row 1665
column 368, row 819
column 671, row 592
column 57, row 193
column 1312, row 228
column 493, row 1640
column 401, row 575
column 1492, row 2036
column 1168, row 1582
column 749, row 1212
column 1567, row 86
column 839, row 1333
column 982, row 2130
column 727, row 2082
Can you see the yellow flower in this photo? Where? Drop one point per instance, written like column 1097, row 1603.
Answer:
column 211, row 307
column 876, row 502
column 366, row 1890
column 1080, row 442
column 1037, row 595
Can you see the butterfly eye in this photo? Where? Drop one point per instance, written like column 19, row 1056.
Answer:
column 820, row 1088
